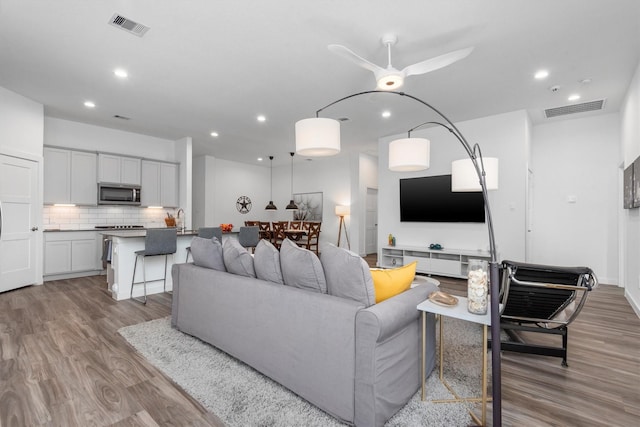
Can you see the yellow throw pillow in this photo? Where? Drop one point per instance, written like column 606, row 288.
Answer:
column 391, row 282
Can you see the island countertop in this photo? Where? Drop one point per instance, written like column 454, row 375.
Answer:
column 141, row 233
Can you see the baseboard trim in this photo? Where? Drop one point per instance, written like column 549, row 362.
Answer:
column 634, row 304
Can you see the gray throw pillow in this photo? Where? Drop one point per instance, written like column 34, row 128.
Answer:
column 236, row 258
column 266, row 261
column 347, row 274
column 301, row 268
column 207, row 253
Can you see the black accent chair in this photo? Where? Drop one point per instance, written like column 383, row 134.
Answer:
column 544, row 299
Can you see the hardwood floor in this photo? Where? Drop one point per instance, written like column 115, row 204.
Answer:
column 62, row 363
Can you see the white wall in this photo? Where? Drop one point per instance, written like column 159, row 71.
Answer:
column 21, row 135
column 225, row 181
column 630, row 218
column 505, row 136
column 21, row 125
column 577, row 159
column 82, row 136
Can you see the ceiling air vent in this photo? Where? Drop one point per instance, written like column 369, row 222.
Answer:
column 128, row 25
column 574, row 108
column 118, row 116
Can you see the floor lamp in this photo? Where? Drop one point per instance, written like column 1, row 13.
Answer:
column 321, row 137
column 343, row 211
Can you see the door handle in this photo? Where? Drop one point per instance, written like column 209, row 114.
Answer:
column 34, row 228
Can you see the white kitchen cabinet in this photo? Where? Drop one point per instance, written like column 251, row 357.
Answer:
column 118, row 169
column 159, row 184
column 69, row 176
column 72, row 254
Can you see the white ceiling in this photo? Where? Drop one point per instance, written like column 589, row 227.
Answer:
column 208, row 65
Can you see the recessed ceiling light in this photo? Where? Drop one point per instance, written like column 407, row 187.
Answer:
column 386, row 114
column 261, row 118
column 260, row 159
column 119, row 72
column 214, row 134
column 541, row 74
column 574, row 97
column 89, row 104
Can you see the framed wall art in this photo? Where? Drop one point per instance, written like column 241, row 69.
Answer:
column 309, row 206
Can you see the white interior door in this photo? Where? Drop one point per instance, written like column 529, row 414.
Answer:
column 18, row 198
column 371, row 222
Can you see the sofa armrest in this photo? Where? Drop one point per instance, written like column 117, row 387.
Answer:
column 388, row 355
column 391, row 315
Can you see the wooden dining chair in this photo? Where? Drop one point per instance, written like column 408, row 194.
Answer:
column 252, row 223
column 295, row 225
column 312, row 238
column 277, row 231
column 265, row 230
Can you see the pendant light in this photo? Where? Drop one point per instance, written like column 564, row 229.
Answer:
column 292, row 206
column 271, row 206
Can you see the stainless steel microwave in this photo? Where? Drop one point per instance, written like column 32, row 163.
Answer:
column 118, row 194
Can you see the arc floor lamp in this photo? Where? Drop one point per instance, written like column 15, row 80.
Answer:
column 321, row 137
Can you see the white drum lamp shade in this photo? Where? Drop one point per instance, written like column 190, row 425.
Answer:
column 317, row 137
column 342, row 210
column 409, row 155
column 465, row 178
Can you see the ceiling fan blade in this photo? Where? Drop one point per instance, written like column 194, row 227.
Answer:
column 353, row 57
column 437, row 62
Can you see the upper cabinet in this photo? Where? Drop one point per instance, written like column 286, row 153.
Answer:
column 118, row 169
column 159, row 184
column 69, row 176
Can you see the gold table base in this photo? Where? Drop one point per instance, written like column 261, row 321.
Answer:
column 457, row 399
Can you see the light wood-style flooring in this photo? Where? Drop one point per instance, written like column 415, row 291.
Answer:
column 62, row 363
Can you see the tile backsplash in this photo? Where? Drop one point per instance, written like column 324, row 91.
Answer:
column 87, row 217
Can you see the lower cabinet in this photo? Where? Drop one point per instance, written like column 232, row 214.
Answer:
column 443, row 262
column 72, row 254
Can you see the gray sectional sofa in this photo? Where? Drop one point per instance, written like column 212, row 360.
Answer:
column 359, row 363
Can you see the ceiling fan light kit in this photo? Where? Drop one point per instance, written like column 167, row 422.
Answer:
column 390, row 78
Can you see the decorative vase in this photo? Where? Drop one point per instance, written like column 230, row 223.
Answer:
column 477, row 287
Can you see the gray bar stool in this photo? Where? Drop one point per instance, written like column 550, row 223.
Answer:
column 249, row 236
column 158, row 241
column 206, row 233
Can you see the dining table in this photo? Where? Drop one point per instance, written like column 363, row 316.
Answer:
column 294, row 234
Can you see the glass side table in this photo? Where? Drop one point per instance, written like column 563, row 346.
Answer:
column 459, row 311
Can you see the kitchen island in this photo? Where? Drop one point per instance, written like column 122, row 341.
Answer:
column 124, row 244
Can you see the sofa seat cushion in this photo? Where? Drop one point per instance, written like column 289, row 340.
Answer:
column 347, row 275
column 266, row 261
column 301, row 268
column 237, row 259
column 390, row 282
column 207, row 253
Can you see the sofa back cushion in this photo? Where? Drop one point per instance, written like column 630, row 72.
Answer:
column 207, row 253
column 266, row 261
column 301, row 268
column 236, row 258
column 347, row 274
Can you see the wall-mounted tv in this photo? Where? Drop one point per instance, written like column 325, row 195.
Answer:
column 430, row 199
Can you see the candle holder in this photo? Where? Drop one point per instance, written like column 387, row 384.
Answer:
column 477, row 287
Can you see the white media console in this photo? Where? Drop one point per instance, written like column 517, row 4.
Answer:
column 441, row 262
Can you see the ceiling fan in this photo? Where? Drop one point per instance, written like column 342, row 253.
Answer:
column 390, row 78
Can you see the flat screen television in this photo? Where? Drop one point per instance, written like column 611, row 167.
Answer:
column 430, row 199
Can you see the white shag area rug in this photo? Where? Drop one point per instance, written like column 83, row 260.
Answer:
column 242, row 397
